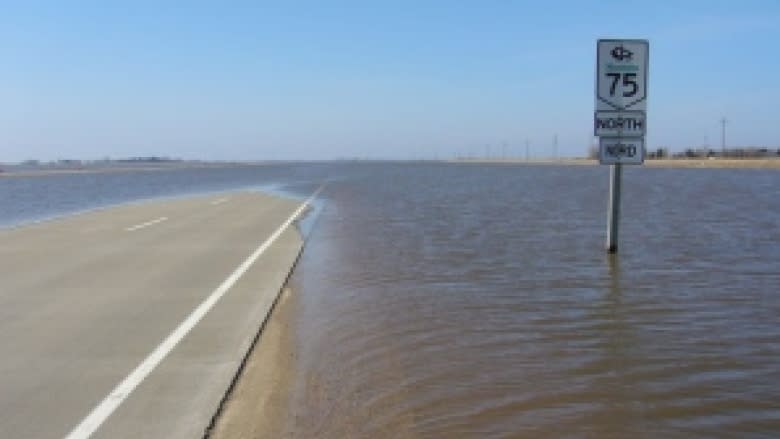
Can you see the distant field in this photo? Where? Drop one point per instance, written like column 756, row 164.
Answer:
column 26, row 171
column 773, row 163
column 770, row 163
column 749, row 163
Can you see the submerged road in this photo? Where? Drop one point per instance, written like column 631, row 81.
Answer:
column 131, row 322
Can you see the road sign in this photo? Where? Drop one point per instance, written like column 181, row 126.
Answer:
column 621, row 76
column 621, row 151
column 619, row 123
column 620, row 118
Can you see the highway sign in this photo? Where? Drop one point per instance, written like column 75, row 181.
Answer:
column 619, row 123
column 621, row 76
column 621, row 151
column 620, row 118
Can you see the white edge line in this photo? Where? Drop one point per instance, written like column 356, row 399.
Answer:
column 102, row 411
column 146, row 224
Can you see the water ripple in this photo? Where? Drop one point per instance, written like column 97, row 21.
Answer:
column 447, row 301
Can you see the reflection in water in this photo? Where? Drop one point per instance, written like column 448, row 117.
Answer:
column 620, row 352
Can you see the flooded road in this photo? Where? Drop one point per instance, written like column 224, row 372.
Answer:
column 444, row 300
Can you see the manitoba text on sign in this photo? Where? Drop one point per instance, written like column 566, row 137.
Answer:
column 623, row 151
column 621, row 76
column 619, row 124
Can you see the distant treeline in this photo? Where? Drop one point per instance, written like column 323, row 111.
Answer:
column 77, row 162
column 729, row 153
column 147, row 160
column 699, row 153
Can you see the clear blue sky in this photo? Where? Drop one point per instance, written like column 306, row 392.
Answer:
column 394, row 79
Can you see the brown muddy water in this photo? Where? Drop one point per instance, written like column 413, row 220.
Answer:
column 477, row 301
column 451, row 300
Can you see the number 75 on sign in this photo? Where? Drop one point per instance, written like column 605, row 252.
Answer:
column 621, row 75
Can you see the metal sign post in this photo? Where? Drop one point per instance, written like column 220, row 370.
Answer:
column 613, row 209
column 620, row 119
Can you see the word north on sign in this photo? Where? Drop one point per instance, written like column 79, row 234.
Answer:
column 621, row 77
column 619, row 124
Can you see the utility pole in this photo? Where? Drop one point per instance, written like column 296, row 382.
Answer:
column 527, row 150
column 555, row 146
column 723, row 137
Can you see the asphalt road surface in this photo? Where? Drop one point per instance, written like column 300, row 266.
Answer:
column 131, row 322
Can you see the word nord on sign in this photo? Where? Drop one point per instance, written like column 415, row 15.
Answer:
column 629, row 151
column 621, row 149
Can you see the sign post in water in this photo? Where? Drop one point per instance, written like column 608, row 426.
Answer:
column 620, row 119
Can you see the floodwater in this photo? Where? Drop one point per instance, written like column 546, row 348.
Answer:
column 477, row 301
column 440, row 300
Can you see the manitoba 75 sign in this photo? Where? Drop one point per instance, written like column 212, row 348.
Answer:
column 621, row 81
column 620, row 119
